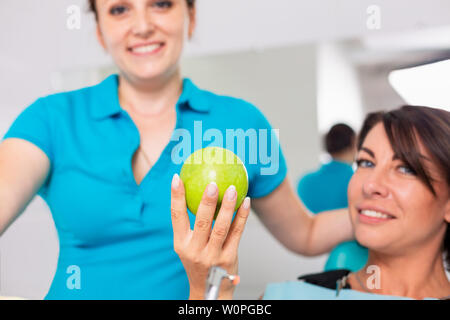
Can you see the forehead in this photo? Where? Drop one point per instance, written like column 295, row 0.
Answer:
column 377, row 139
column 378, row 142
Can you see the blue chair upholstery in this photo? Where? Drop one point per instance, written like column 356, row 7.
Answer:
column 347, row 255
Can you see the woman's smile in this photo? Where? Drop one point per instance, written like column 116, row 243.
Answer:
column 372, row 214
column 146, row 49
column 373, row 217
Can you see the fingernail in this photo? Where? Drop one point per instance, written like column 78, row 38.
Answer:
column 175, row 181
column 246, row 203
column 212, row 188
column 231, row 193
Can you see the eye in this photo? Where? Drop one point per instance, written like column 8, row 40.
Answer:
column 363, row 163
column 117, row 10
column 163, row 4
column 406, row 170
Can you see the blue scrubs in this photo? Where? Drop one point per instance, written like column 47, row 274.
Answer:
column 116, row 237
column 326, row 188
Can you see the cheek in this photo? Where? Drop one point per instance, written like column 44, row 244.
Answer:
column 354, row 191
column 421, row 213
column 175, row 26
column 418, row 205
column 412, row 196
column 354, row 194
column 113, row 35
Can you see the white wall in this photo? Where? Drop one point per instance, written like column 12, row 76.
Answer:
column 29, row 253
column 338, row 89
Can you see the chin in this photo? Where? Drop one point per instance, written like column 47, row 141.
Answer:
column 144, row 70
column 371, row 239
column 147, row 74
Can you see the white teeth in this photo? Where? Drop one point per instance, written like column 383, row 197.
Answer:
column 374, row 214
column 146, row 49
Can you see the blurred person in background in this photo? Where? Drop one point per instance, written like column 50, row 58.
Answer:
column 325, row 189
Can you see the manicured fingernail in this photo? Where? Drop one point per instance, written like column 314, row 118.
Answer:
column 246, row 203
column 231, row 193
column 212, row 189
column 175, row 181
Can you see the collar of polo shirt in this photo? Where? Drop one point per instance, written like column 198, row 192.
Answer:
column 107, row 104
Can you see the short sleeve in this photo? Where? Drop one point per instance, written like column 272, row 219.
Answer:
column 33, row 125
column 270, row 168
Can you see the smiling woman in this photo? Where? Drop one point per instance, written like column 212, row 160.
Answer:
column 418, row 185
column 399, row 202
column 102, row 159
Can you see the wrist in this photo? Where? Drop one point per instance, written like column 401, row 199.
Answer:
column 226, row 296
column 223, row 295
column 196, row 296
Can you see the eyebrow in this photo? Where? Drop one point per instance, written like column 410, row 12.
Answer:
column 394, row 157
column 370, row 152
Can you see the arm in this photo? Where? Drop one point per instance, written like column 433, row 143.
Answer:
column 300, row 231
column 23, row 169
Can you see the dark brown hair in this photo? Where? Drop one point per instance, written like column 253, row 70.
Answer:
column 405, row 127
column 339, row 138
column 93, row 6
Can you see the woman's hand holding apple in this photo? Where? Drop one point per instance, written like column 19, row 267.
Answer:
column 202, row 248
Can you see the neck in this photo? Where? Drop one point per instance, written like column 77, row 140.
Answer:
column 346, row 157
column 149, row 97
column 417, row 275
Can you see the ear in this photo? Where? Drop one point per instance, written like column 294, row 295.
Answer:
column 100, row 37
column 192, row 21
column 447, row 211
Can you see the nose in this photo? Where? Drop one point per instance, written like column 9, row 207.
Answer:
column 143, row 24
column 375, row 184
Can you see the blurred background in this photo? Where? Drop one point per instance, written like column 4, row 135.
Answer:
column 306, row 64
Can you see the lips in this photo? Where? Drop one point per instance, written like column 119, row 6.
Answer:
column 374, row 215
column 146, row 48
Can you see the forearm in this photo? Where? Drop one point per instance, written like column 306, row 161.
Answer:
column 286, row 218
column 311, row 235
column 4, row 208
column 9, row 209
column 328, row 229
column 297, row 229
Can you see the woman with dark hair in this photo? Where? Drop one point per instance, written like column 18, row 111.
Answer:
column 98, row 156
column 399, row 204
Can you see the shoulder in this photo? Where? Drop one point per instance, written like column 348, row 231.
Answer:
column 342, row 167
column 234, row 107
column 325, row 279
column 230, row 103
column 223, row 100
column 69, row 97
column 309, row 178
column 69, row 103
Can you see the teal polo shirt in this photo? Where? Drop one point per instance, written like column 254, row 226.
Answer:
column 116, row 237
column 326, row 188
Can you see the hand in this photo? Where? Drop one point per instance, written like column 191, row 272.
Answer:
column 201, row 248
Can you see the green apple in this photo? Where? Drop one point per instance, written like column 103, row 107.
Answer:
column 213, row 164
